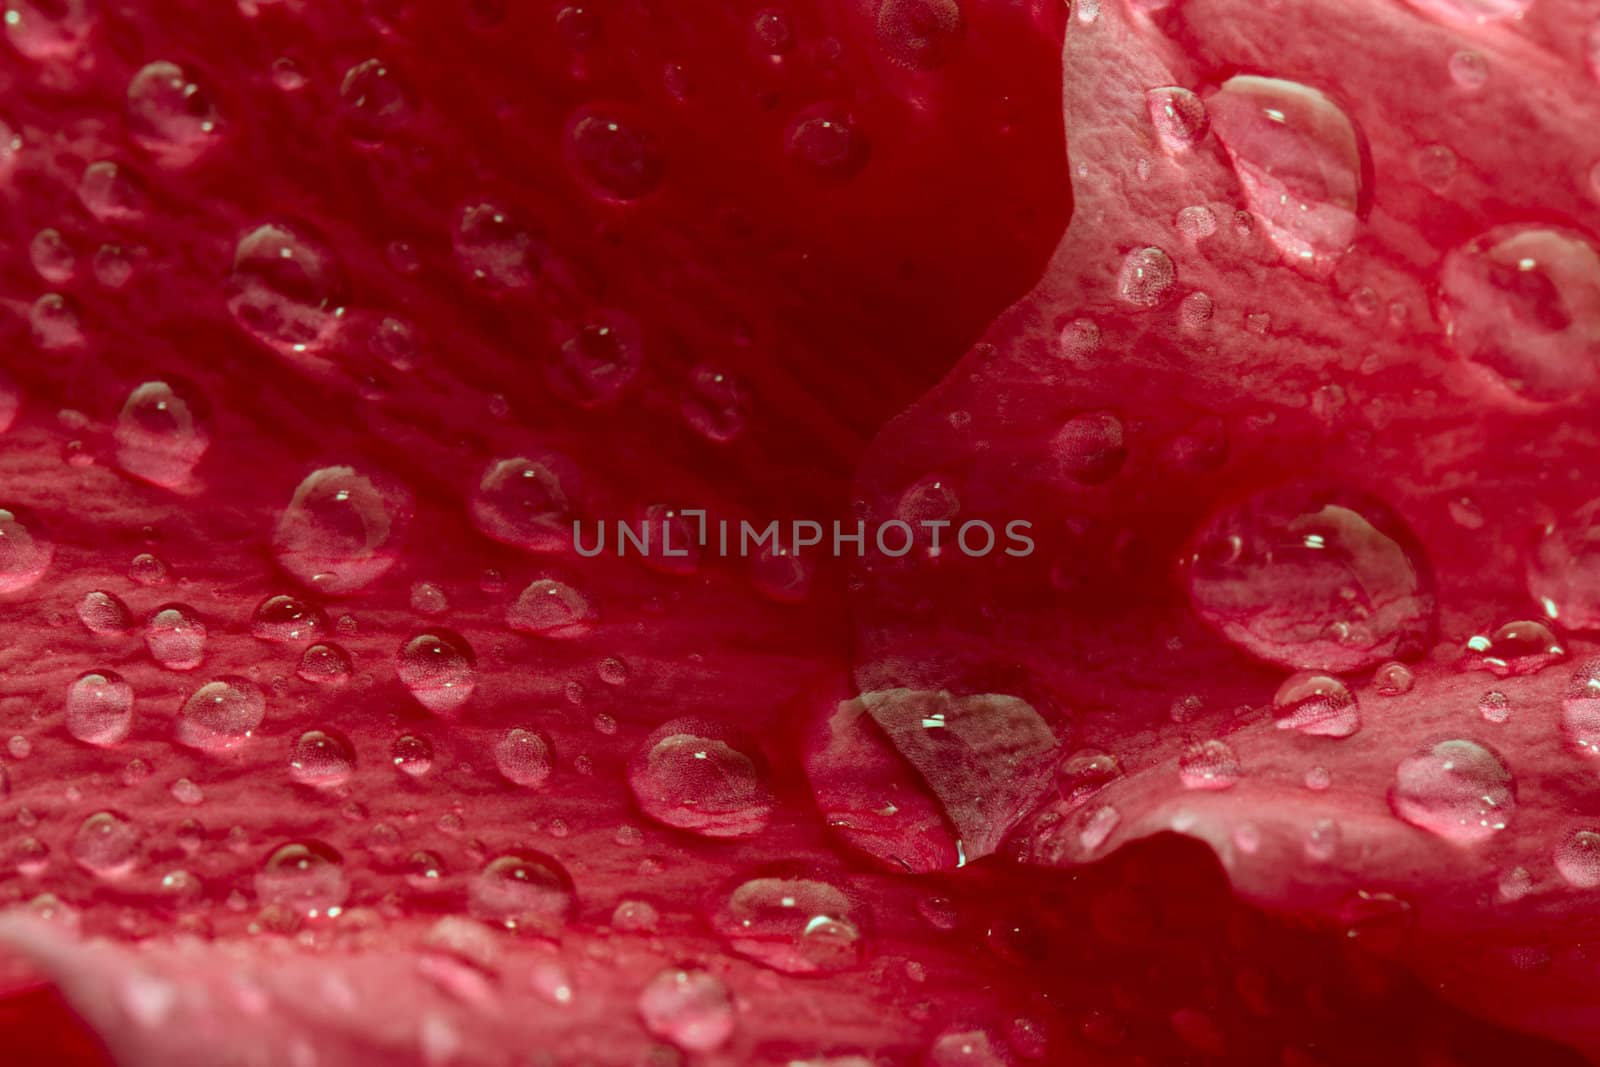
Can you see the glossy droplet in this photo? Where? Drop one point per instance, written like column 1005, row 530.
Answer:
column 439, row 669
column 1517, row 648
column 920, row 34
column 1317, row 704
column 690, row 1008
column 1079, row 341
column 1196, row 310
column 523, row 757
column 1435, row 165
column 106, row 844
column 48, row 29
column 598, row 361
column 23, row 556
column 158, row 437
column 221, row 715
column 1469, row 70
column 1312, row 578
column 1524, row 302
column 684, row 778
column 1564, row 569
column 1178, row 115
column 1577, row 858
column 493, row 250
column 176, row 638
column 283, row 289
column 772, row 32
column 306, row 877
column 1209, row 765
column 1090, row 448
column 1495, row 707
column 1147, row 277
column 1196, row 222
column 104, row 614
column 552, row 609
column 1580, row 710
column 147, row 569
column 522, row 890
column 826, row 144
column 169, row 114
column 1393, row 679
column 373, row 101
column 1458, row 789
column 286, row 618
column 1085, row 773
column 966, row 1048
column 323, row 664
column 412, row 754
column 793, row 925
column 321, row 759
column 782, row 575
column 341, row 529
column 617, row 159
column 716, row 405
column 524, row 502
column 99, row 708
column 1298, row 159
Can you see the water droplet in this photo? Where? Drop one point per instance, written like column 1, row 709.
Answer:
column 522, row 502
column 1298, row 159
column 55, row 323
column 1146, row 278
column 221, row 714
column 522, row 890
column 1312, row 578
column 374, row 102
column 793, row 925
column 1578, row 858
column 341, row 529
column 1524, row 303
column 52, row 257
column 1495, row 706
column 598, row 361
column 1475, row 11
column 286, row 618
column 1517, row 648
column 920, row 34
column 1580, row 710
column 686, row 776
column 827, row 144
column 965, row 1048
column 1318, row 778
column 48, row 29
column 1196, row 222
column 106, row 844
column 782, row 575
column 158, row 436
column 321, row 759
column 1469, row 70
column 104, row 613
column 523, row 757
column 1179, row 117
column 1435, row 165
column 1458, row 789
column 1089, row 447
column 715, row 405
column 176, row 637
column 1317, row 704
column 1515, row 884
column 1080, row 340
column 493, row 250
column 99, row 708
column 170, row 115
column 1209, row 765
column 1196, row 310
column 147, row 569
column 306, row 877
column 428, row 599
column 324, row 665
column 1393, row 679
column 412, row 754
column 552, row 609
column 1085, row 773
column 187, row 793
column 690, row 1008
column 1564, row 569
column 619, row 160
column 283, row 289
column 23, row 556
column 439, row 669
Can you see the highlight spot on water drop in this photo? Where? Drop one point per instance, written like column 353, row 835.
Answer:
column 176, row 637
column 1178, row 116
column 1317, row 704
column 690, row 1008
column 686, row 776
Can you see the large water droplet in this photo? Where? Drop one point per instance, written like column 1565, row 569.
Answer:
column 617, row 159
column 283, row 289
column 106, row 844
column 1090, row 448
column 1564, row 570
column 1298, row 158
column 1147, row 277
column 522, row 890
column 341, row 529
column 687, row 776
column 1178, row 115
column 104, row 613
column 176, row 637
column 1523, row 647
column 523, row 757
column 826, row 144
column 306, row 877
column 321, row 759
column 690, row 1008
column 1316, row 703
column 1580, row 710
column 524, row 502
column 920, row 34
column 548, row 608
column 1459, row 790
column 439, row 669
column 169, row 114
column 1312, row 578
column 99, row 708
column 493, row 250
column 158, row 436
column 793, row 925
column 23, row 557
column 1209, row 765
column 1525, row 303
column 221, row 714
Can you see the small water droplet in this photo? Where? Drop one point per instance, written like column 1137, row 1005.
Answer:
column 1178, row 115
column 306, row 877
column 1209, row 765
column 920, row 34
column 523, row 757
column 222, row 714
column 793, row 925
column 1526, row 646
column 104, row 614
column 1469, row 70
column 159, row 438
column 1089, row 447
column 99, row 708
column 439, row 669
column 170, row 114
column 551, row 609
column 324, row 664
column 374, row 102
column 286, row 618
column 597, row 362
column 715, row 404
column 24, row 557
column 1080, row 340
column 321, row 759
column 1578, row 858
column 1146, row 278
column 176, row 637
column 1495, row 706
column 619, row 160
column 283, row 289
column 826, row 143
column 412, row 754
column 493, row 250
